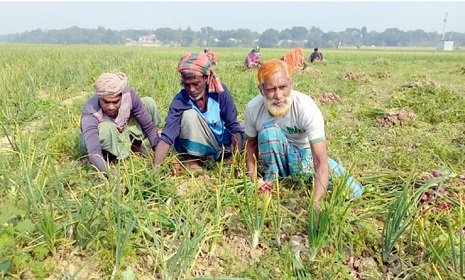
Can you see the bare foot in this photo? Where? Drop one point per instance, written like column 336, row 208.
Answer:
column 180, row 165
column 264, row 186
column 137, row 147
column 192, row 163
column 177, row 168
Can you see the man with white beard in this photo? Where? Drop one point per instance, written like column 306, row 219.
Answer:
column 285, row 129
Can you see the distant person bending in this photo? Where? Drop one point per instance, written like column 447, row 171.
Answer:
column 115, row 120
column 202, row 117
column 211, row 56
column 316, row 55
column 295, row 59
column 253, row 59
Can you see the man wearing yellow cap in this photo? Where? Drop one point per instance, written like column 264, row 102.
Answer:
column 202, row 117
column 115, row 120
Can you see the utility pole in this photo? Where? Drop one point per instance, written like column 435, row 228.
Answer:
column 444, row 28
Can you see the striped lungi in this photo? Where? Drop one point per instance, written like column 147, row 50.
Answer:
column 197, row 138
column 119, row 143
column 283, row 159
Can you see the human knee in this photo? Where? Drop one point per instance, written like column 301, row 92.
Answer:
column 107, row 130
column 151, row 106
column 107, row 134
column 189, row 118
column 148, row 102
column 271, row 131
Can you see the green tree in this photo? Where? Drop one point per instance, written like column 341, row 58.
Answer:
column 315, row 37
column 269, row 38
column 188, row 37
column 364, row 36
column 299, row 34
column 392, row 37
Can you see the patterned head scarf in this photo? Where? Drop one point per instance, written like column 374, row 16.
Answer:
column 256, row 49
column 199, row 63
column 109, row 84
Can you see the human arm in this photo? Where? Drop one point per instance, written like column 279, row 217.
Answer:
column 236, row 142
column 89, row 129
column 147, row 122
column 305, row 64
column 172, row 127
column 228, row 113
column 321, row 176
column 251, row 122
column 251, row 149
column 161, row 151
column 311, row 120
column 248, row 61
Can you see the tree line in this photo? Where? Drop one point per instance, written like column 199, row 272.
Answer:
column 210, row 37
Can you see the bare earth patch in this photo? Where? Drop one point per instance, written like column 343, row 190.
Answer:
column 233, row 247
column 398, row 118
column 328, row 97
column 4, row 144
column 75, row 266
column 360, row 78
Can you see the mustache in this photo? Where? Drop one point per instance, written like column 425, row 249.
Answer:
column 273, row 102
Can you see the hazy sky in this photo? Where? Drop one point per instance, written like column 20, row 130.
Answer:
column 228, row 15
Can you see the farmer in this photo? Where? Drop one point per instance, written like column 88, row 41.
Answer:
column 202, row 117
column 295, row 59
column 316, row 56
column 285, row 129
column 253, row 58
column 115, row 121
column 211, row 56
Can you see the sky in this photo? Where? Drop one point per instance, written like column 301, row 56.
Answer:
column 20, row 16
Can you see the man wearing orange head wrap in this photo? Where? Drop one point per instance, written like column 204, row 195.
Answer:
column 202, row 117
column 115, row 120
column 285, row 129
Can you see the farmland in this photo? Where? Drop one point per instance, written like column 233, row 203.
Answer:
column 394, row 118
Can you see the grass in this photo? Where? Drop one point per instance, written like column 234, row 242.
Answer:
column 60, row 220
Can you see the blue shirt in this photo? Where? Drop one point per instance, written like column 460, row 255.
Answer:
column 221, row 114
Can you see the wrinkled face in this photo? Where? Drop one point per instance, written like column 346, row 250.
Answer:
column 195, row 85
column 277, row 93
column 111, row 104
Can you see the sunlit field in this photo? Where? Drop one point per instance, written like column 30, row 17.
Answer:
column 394, row 118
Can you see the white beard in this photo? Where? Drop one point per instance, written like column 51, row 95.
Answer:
column 278, row 111
column 198, row 97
